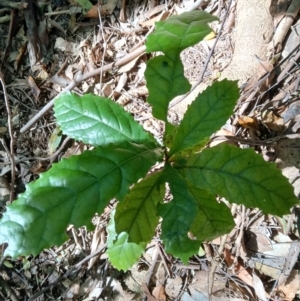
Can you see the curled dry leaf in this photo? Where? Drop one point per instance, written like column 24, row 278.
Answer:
column 248, row 122
column 291, row 287
column 272, row 121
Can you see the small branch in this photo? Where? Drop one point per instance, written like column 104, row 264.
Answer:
column 11, row 134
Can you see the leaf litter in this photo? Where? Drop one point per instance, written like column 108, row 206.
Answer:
column 258, row 260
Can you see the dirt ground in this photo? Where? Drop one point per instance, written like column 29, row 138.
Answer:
column 48, row 47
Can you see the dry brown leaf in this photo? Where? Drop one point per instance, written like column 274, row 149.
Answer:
column 147, row 293
column 151, row 22
column 259, row 288
column 41, row 72
column 272, row 121
column 291, row 112
column 131, row 94
column 76, row 149
column 136, row 279
column 160, row 274
column 37, row 168
column 240, row 270
column 248, row 122
column 72, row 292
column 243, row 274
column 199, row 296
column 108, row 88
column 118, row 287
column 154, row 11
column 264, row 76
column 220, row 133
column 97, row 242
column 200, row 282
column 290, row 288
column 279, row 261
column 173, row 287
column 288, row 160
column 91, row 289
column 258, row 242
column 159, row 293
column 66, row 46
column 19, row 57
column 96, row 55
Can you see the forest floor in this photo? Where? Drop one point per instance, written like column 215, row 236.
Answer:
column 46, row 46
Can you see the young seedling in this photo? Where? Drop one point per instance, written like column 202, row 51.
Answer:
column 74, row 189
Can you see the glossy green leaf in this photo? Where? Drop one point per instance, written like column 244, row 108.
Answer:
column 164, row 74
column 137, row 215
column 179, row 32
column 71, row 192
column 97, row 120
column 213, row 219
column 122, row 254
column 241, row 176
column 165, row 80
column 178, row 216
column 207, row 113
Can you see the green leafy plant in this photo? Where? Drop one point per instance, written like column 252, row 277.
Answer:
column 120, row 166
